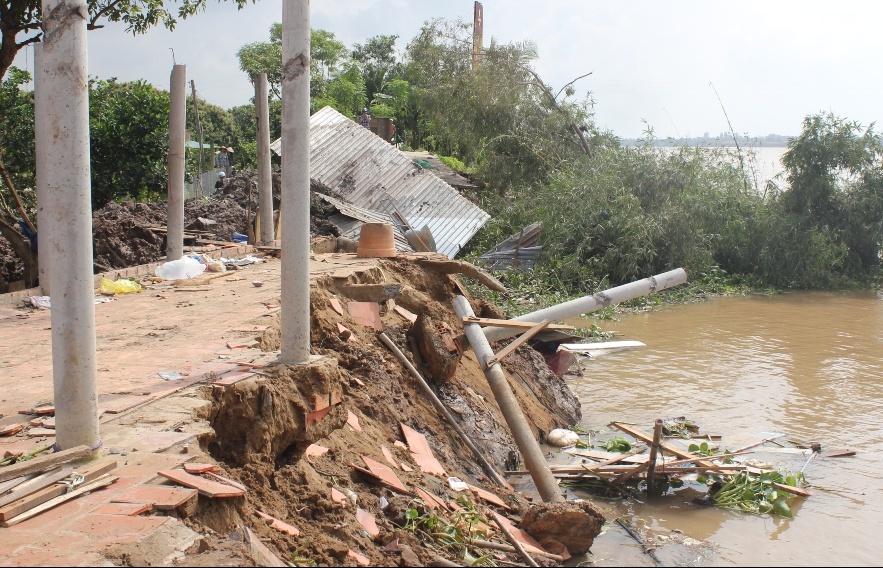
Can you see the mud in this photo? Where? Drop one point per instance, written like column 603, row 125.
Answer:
column 122, row 236
column 261, row 430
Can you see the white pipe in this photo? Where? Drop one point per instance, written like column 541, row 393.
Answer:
column 63, row 120
column 534, row 460
column 594, row 302
column 43, row 157
column 177, row 119
column 265, row 179
column 295, row 314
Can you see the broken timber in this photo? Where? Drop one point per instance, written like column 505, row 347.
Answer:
column 485, row 322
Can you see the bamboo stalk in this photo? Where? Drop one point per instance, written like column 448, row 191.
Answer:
column 651, row 470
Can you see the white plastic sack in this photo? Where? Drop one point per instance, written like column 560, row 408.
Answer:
column 184, row 268
column 562, row 438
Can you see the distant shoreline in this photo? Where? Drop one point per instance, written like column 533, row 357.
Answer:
column 724, row 140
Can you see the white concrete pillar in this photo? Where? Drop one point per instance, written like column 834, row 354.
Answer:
column 63, row 162
column 295, row 314
column 41, row 106
column 177, row 119
column 265, row 175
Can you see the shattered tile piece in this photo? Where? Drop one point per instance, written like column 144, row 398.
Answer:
column 353, row 421
column 337, row 496
column 367, row 521
column 198, row 468
column 360, row 560
column 406, row 467
column 389, row 457
column 416, row 441
column 366, row 313
column 315, row 451
column 335, row 305
column 488, row 496
column 278, row 525
column 428, row 464
column 384, row 473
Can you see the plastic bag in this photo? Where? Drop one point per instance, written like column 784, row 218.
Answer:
column 181, row 269
column 121, row 286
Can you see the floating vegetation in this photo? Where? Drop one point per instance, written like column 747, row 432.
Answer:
column 759, row 494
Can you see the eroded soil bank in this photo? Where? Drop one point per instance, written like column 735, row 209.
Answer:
column 270, row 432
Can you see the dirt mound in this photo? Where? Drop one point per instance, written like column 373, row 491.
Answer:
column 356, row 404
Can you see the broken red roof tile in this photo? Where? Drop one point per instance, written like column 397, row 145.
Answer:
column 366, row 313
column 353, row 421
column 389, row 457
column 428, row 464
column 315, row 450
column 384, row 473
column 416, row 441
column 162, row 497
column 197, row 468
column 367, row 521
column 337, row 496
column 278, row 525
column 488, row 496
column 360, row 560
column 336, row 306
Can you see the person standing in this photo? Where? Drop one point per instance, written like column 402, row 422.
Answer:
column 365, row 119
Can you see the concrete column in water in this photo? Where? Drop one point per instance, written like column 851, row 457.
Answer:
column 295, row 315
column 265, row 176
column 177, row 119
column 63, row 162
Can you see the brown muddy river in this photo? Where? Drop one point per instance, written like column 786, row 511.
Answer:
column 807, row 365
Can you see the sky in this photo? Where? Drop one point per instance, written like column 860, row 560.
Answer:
column 653, row 62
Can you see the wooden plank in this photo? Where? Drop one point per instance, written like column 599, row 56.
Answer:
column 794, row 490
column 207, row 487
column 44, row 462
column 517, row 343
column 26, row 503
column 36, row 484
column 103, row 481
column 161, row 497
column 491, row 322
column 635, row 433
column 13, row 483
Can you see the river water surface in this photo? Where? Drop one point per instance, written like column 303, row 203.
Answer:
column 807, row 365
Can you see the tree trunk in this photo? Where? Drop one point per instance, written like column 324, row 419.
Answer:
column 22, row 247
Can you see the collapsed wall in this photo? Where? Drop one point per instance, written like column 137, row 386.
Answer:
column 356, row 401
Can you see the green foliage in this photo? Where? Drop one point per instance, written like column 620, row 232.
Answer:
column 617, row 444
column 453, row 163
column 345, row 93
column 757, row 493
column 17, row 134
column 128, row 125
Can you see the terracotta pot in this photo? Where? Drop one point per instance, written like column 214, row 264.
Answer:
column 376, row 240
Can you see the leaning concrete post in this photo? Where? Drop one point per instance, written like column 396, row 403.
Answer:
column 177, row 119
column 63, row 132
column 594, row 302
column 530, row 449
column 43, row 157
column 265, row 179
column 295, row 317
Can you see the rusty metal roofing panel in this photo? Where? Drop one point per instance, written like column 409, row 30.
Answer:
column 366, row 171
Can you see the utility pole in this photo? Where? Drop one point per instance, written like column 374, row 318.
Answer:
column 295, row 315
column 477, row 35
column 265, row 178
column 199, row 133
column 66, row 217
column 177, row 119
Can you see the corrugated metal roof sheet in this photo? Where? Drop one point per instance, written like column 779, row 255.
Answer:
column 363, row 169
column 351, row 219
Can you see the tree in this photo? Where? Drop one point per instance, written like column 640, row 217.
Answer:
column 378, row 63
column 266, row 57
column 128, row 131
column 25, row 17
